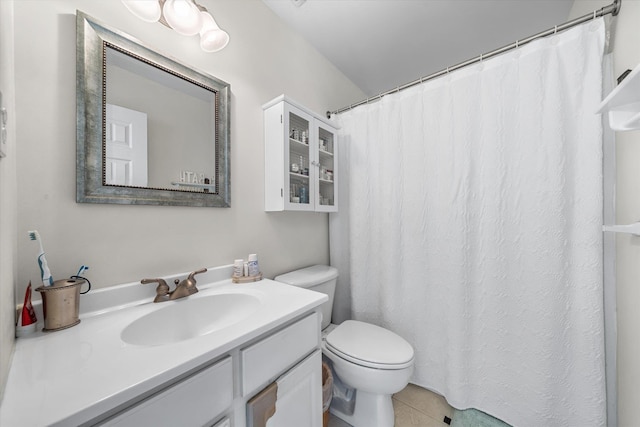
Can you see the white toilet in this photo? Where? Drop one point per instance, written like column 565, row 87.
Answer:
column 372, row 360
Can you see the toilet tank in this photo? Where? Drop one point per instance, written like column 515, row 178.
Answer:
column 319, row 278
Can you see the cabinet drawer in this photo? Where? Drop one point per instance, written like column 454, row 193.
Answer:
column 196, row 401
column 266, row 360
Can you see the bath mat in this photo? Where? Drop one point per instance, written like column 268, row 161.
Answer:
column 475, row 418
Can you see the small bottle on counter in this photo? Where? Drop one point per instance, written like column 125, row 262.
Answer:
column 254, row 269
column 246, row 269
column 238, row 267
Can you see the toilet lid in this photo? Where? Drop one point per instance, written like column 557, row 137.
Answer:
column 370, row 345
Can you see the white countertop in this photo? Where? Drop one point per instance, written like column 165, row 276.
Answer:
column 71, row 376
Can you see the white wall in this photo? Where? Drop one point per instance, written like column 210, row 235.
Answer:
column 126, row 243
column 626, row 56
column 8, row 195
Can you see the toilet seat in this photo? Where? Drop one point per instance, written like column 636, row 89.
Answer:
column 369, row 345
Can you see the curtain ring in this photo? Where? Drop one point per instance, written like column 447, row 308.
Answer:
column 480, row 57
column 447, row 70
column 517, row 43
column 594, row 14
column 555, row 30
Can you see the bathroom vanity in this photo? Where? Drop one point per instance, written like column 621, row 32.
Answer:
column 222, row 357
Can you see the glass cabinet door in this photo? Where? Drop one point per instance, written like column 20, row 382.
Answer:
column 299, row 160
column 327, row 165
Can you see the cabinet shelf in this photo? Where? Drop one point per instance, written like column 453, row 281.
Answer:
column 325, row 153
column 634, row 121
column 298, row 175
column 298, row 142
column 623, row 103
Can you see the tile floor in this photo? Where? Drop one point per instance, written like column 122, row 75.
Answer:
column 414, row 407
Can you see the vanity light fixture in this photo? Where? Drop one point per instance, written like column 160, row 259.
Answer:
column 186, row 17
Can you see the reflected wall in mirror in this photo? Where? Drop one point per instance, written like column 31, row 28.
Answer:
column 150, row 116
column 150, row 130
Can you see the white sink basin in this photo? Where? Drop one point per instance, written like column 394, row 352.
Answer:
column 189, row 318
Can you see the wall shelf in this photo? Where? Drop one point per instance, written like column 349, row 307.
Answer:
column 631, row 228
column 623, row 103
column 194, row 185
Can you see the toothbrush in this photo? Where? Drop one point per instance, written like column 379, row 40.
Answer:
column 47, row 279
column 81, row 269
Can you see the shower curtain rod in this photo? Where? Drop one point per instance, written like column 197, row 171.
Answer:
column 613, row 9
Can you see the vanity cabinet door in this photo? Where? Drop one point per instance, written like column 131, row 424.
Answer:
column 196, row 401
column 293, row 400
column 299, row 401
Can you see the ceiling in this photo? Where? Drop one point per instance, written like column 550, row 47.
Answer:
column 382, row 44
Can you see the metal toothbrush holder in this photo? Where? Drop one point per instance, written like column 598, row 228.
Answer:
column 61, row 304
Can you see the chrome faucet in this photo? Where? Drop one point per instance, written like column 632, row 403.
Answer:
column 183, row 288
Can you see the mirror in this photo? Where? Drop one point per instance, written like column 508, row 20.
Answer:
column 150, row 130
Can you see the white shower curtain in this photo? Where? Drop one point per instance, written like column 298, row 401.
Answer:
column 471, row 225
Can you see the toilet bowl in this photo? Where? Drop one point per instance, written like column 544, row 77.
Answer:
column 372, row 360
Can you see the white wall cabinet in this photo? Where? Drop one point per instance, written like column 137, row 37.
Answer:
column 301, row 158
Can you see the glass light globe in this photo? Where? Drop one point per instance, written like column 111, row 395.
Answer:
column 212, row 38
column 183, row 16
column 147, row 10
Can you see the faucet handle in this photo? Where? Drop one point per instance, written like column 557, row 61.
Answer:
column 190, row 282
column 162, row 291
column 193, row 273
